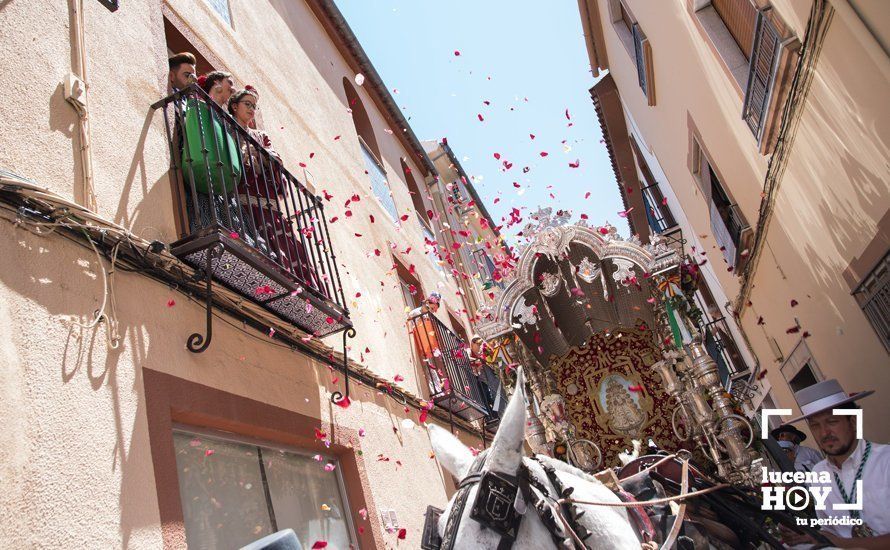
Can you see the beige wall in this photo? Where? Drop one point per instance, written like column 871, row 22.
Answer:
column 833, row 195
column 76, row 462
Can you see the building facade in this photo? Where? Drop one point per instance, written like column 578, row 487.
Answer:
column 152, row 400
column 756, row 133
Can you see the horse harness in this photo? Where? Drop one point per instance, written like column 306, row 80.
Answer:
column 500, row 505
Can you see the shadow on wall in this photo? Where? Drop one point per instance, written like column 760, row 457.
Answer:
column 839, row 191
column 63, row 281
column 64, row 119
column 152, row 218
column 97, row 392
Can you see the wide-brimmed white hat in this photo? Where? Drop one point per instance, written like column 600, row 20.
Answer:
column 824, row 396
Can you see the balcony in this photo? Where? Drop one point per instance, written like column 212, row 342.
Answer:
column 453, row 385
column 732, row 233
column 246, row 222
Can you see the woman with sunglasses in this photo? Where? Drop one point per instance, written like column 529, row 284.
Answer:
column 264, row 191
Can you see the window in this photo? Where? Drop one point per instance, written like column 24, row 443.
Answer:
column 486, row 268
column 459, row 328
column 637, row 45
column 758, row 50
column 718, row 338
column 379, row 185
column 760, row 74
column 370, row 150
column 430, row 244
column 728, row 226
column 873, row 295
column 221, row 7
column 234, row 492
column 459, row 195
column 414, row 191
column 804, row 378
column 739, row 17
column 412, row 292
column 658, row 214
column 800, row 369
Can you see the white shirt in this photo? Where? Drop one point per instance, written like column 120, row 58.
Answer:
column 875, row 488
column 807, row 458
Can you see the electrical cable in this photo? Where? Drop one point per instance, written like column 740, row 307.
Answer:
column 181, row 280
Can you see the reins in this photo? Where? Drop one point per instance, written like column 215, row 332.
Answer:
column 678, row 520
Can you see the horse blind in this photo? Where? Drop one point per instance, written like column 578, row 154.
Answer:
column 431, row 539
column 761, row 70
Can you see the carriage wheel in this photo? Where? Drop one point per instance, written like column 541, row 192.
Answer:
column 682, row 431
column 585, row 455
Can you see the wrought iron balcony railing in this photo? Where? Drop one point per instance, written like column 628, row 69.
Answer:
column 453, row 384
column 246, row 222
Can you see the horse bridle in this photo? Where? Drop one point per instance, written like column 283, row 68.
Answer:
column 495, row 505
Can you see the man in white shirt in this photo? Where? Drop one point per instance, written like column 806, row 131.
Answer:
column 805, row 457
column 848, row 460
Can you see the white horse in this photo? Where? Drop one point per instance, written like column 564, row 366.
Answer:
column 609, row 526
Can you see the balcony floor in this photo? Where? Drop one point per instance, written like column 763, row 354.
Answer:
column 248, row 272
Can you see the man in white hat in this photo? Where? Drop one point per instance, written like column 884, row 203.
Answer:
column 849, row 460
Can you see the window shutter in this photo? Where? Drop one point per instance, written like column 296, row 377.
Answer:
column 760, row 74
column 640, row 57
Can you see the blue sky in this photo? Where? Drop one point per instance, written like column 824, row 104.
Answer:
column 528, row 59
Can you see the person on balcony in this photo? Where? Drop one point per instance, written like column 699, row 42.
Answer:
column 182, row 70
column 426, row 339
column 199, row 142
column 480, row 355
column 219, row 85
column 429, row 305
column 263, row 190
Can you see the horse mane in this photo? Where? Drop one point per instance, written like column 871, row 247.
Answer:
column 567, row 468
